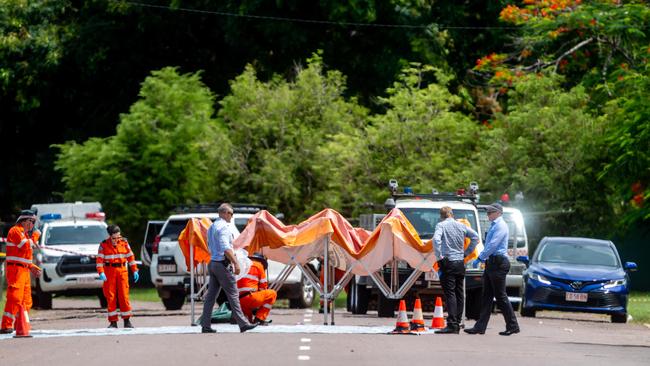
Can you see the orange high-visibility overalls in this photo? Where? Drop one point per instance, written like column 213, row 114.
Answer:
column 19, row 262
column 254, row 293
column 112, row 261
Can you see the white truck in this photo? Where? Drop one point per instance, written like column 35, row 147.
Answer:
column 423, row 211
column 171, row 277
column 70, row 237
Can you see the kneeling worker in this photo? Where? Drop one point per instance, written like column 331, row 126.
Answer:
column 112, row 258
column 254, row 292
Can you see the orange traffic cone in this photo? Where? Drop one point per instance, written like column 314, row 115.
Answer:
column 438, row 321
column 22, row 323
column 402, row 325
column 417, row 323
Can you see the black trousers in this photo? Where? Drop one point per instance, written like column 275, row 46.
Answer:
column 452, row 275
column 494, row 287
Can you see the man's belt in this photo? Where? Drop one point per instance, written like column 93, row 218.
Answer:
column 244, row 294
column 17, row 264
column 115, row 264
column 496, row 258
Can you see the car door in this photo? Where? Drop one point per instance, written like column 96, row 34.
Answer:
column 153, row 229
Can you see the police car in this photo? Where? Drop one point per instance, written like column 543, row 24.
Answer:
column 70, row 237
column 423, row 212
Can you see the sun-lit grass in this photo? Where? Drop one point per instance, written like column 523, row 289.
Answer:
column 144, row 294
column 340, row 301
column 639, row 307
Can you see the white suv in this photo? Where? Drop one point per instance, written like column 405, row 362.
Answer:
column 67, row 256
column 170, row 274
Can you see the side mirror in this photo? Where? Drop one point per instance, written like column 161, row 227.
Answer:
column 389, row 204
column 630, row 266
column 279, row 216
column 523, row 259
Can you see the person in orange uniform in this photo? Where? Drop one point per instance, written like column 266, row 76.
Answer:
column 20, row 239
column 254, row 292
column 113, row 257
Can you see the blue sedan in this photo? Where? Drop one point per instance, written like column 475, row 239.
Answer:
column 576, row 274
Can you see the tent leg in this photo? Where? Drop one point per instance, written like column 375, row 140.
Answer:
column 331, row 293
column 192, row 315
column 325, row 280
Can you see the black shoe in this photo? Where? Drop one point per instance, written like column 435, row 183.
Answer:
column 262, row 322
column 207, row 330
column 473, row 331
column 113, row 325
column 247, row 327
column 6, row 330
column 508, row 332
column 127, row 323
column 448, row 330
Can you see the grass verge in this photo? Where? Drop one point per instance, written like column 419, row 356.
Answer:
column 639, row 307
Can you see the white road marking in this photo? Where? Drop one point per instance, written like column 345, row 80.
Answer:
column 303, row 358
column 304, row 348
column 307, row 320
column 305, row 340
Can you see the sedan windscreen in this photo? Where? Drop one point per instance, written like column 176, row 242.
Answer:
column 578, row 253
column 424, row 220
column 64, row 235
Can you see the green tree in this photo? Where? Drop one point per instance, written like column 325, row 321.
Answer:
column 167, row 150
column 282, row 132
column 31, row 37
column 548, row 146
column 627, row 168
column 420, row 139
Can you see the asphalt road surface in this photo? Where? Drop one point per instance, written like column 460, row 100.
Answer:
column 74, row 334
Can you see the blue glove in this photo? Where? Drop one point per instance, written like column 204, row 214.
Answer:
column 136, row 276
column 102, row 276
column 477, row 262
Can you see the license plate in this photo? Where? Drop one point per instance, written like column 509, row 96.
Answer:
column 431, row 276
column 576, row 296
column 85, row 279
column 166, row 268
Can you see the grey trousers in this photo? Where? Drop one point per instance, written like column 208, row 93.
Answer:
column 221, row 277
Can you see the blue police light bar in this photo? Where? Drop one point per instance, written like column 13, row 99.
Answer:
column 51, row 217
column 408, row 190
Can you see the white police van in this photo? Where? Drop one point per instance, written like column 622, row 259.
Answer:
column 171, row 277
column 66, row 251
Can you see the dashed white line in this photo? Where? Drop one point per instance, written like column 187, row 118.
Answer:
column 305, row 340
column 303, row 358
column 304, row 348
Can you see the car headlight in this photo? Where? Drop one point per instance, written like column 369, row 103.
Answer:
column 538, row 277
column 615, row 283
column 43, row 258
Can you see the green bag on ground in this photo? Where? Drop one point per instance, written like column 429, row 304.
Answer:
column 222, row 314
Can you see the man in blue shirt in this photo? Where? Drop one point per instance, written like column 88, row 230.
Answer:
column 449, row 243
column 223, row 267
column 497, row 265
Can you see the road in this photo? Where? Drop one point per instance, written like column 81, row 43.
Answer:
column 74, row 334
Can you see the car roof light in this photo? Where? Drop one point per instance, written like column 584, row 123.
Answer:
column 96, row 216
column 50, row 217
